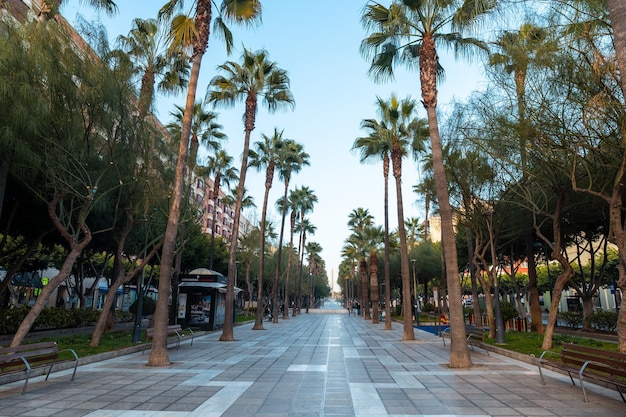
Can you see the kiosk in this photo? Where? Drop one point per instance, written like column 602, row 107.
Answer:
column 202, row 299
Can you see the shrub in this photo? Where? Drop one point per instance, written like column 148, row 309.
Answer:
column 508, row 311
column 428, row 307
column 148, row 308
column 11, row 317
column 398, row 310
column 573, row 319
column 604, row 320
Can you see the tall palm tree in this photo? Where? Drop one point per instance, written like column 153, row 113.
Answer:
column 414, row 229
column 409, row 32
column 376, row 145
column 315, row 267
column 189, row 32
column 426, row 188
column 305, row 227
column 204, row 130
column 146, row 45
column 220, row 168
column 374, row 238
column 292, row 204
column 358, row 220
column 292, row 159
column 305, row 199
column 404, row 134
column 254, row 77
column 265, row 156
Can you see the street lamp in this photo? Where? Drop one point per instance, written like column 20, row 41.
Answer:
column 500, row 338
column 417, row 320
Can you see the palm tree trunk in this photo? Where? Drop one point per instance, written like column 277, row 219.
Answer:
column 159, row 355
column 459, row 354
column 617, row 11
column 258, row 321
column 387, row 268
column 228, row 330
column 407, row 308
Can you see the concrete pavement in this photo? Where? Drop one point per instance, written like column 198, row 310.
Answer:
column 312, row 365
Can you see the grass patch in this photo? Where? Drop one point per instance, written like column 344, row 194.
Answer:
column 80, row 343
column 530, row 343
column 109, row 342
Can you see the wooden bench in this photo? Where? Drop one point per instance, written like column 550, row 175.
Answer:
column 25, row 358
column 588, row 363
column 475, row 337
column 172, row 330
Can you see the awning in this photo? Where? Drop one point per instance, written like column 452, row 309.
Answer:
column 201, row 284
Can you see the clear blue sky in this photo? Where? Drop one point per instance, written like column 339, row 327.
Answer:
column 317, row 42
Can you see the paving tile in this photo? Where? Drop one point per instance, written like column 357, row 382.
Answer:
column 322, row 365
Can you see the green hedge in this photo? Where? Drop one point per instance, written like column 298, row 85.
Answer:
column 49, row 318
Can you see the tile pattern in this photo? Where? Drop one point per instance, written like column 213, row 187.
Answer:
column 330, row 365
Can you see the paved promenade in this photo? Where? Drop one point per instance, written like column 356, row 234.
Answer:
column 311, row 365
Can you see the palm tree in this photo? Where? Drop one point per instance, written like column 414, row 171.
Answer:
column 315, row 266
column 372, row 146
column 304, row 199
column 265, row 155
column 358, row 220
column 255, row 76
column 403, row 133
column 407, row 32
column 220, row 168
column 51, row 7
column 204, row 130
column 374, row 237
column 146, row 47
column 427, row 189
column 414, row 229
column 291, row 160
column 305, row 227
column 189, row 32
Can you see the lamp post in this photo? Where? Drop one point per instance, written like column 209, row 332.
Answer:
column 417, row 320
column 500, row 338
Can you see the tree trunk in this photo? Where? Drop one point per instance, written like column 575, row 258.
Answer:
column 365, row 299
column 374, row 286
column 258, row 321
column 478, row 322
column 407, row 308
column 459, row 353
column 228, row 330
column 286, row 309
column 76, row 248
column 617, row 12
column 536, row 318
column 158, row 354
column 387, row 268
